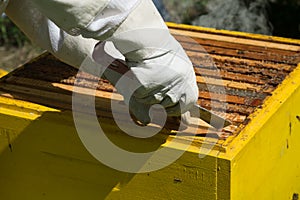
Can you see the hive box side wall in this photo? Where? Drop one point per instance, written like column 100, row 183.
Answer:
column 266, row 163
column 46, row 160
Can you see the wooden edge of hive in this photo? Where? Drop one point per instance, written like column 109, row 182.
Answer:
column 2, row 73
column 261, row 116
column 234, row 33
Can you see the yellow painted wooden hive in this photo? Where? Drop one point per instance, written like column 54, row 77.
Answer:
column 254, row 81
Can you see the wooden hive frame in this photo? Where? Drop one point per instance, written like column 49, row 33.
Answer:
column 42, row 157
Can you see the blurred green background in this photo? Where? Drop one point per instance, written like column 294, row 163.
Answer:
column 10, row 35
column 15, row 48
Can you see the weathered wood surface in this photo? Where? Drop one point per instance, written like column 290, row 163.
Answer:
column 235, row 75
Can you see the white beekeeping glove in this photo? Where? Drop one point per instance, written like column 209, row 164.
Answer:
column 161, row 70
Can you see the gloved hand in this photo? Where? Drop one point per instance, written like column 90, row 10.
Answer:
column 160, row 71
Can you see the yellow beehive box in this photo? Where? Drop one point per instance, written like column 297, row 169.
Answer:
column 253, row 80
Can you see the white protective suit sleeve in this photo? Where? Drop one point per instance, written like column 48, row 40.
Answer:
column 89, row 18
column 45, row 34
column 158, row 63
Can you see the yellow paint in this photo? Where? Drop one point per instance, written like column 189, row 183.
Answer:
column 234, row 33
column 42, row 157
column 10, row 128
column 265, row 156
column 262, row 116
column 15, row 116
column 2, row 73
column 53, row 164
column 22, row 109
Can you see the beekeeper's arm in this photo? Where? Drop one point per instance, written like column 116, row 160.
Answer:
column 135, row 27
column 45, row 34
